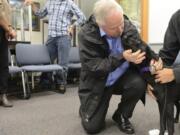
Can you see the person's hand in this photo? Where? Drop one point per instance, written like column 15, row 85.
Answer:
column 157, row 64
column 70, row 30
column 149, row 91
column 165, row 75
column 11, row 34
column 136, row 57
column 28, row 2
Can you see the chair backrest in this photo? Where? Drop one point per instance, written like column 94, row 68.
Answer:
column 28, row 54
column 74, row 55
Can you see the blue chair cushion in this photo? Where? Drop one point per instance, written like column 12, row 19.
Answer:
column 42, row 68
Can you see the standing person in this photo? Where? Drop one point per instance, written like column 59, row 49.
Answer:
column 6, row 32
column 108, row 69
column 60, row 13
column 170, row 74
column 169, row 52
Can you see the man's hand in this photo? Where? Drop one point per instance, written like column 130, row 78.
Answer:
column 28, row 2
column 71, row 30
column 165, row 75
column 157, row 64
column 35, row 8
column 136, row 57
column 11, row 34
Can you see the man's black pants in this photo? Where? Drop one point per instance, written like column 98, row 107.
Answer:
column 131, row 86
column 4, row 71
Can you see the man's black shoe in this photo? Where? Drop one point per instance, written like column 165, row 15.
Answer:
column 61, row 88
column 124, row 124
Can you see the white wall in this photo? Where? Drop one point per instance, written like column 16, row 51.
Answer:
column 160, row 12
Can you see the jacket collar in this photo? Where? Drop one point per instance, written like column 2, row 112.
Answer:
column 91, row 31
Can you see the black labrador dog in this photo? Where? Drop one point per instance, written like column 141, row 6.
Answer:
column 131, row 40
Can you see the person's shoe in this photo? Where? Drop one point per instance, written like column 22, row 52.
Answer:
column 5, row 101
column 124, row 124
column 61, row 88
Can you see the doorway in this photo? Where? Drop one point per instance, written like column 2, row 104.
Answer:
column 137, row 11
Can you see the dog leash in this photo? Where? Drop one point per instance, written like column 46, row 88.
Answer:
column 150, row 69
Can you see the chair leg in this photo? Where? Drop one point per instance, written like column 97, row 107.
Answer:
column 28, row 95
column 24, row 86
column 32, row 80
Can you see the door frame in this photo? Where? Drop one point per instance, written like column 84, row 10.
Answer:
column 144, row 19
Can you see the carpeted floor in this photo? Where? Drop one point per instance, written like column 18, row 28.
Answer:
column 51, row 113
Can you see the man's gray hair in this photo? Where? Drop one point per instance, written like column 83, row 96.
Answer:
column 102, row 8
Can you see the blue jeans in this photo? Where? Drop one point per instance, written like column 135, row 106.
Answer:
column 58, row 48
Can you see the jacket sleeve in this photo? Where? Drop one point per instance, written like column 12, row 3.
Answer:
column 171, row 45
column 176, row 70
column 92, row 59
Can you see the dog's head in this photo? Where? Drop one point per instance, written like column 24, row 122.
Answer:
column 135, row 44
